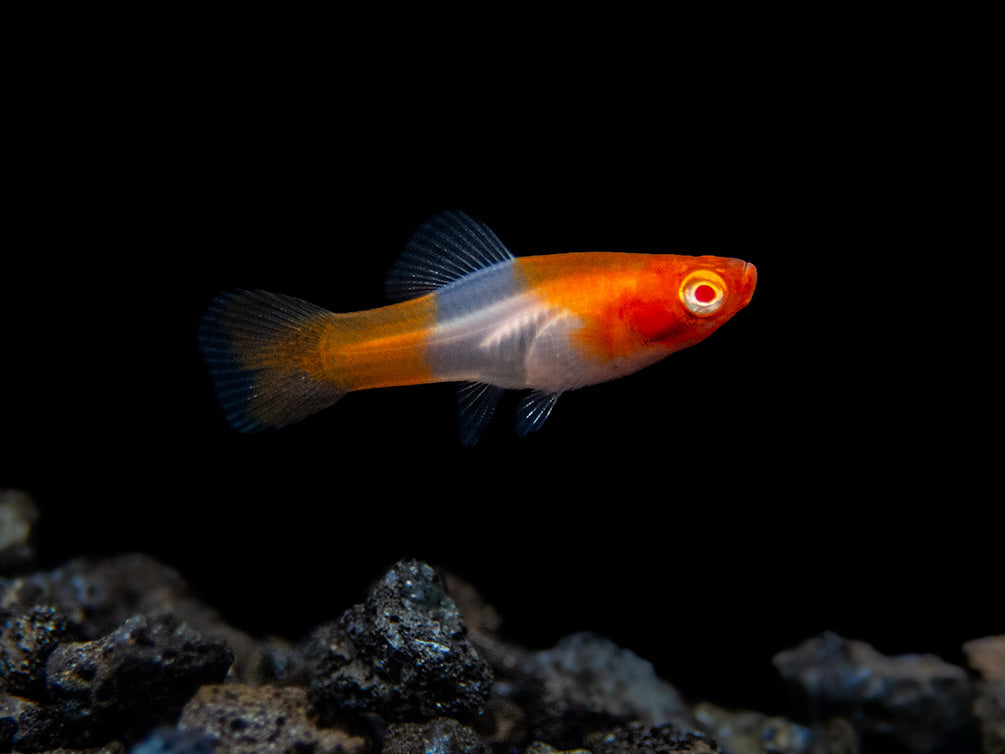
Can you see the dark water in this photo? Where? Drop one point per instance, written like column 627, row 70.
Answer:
column 818, row 463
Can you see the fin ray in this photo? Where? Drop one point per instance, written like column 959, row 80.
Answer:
column 446, row 248
column 476, row 402
column 533, row 411
column 255, row 344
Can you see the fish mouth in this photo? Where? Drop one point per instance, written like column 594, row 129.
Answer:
column 748, row 281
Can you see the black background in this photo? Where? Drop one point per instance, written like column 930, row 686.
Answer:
column 821, row 462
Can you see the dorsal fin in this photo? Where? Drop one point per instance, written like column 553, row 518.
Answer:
column 447, row 247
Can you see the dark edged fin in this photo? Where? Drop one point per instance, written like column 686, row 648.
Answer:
column 534, row 409
column 255, row 344
column 446, row 248
column 476, row 402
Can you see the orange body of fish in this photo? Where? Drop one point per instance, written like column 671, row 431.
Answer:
column 472, row 313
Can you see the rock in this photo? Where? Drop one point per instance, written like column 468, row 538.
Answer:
column 588, row 683
column 483, row 622
column 635, row 738
column 439, row 735
column 538, row 747
column 26, row 641
column 175, row 741
column 27, row 726
column 751, row 732
column 835, row 736
column 98, row 595
column 114, row 747
column 18, row 514
column 990, row 708
column 503, row 724
column 402, row 654
column 987, row 656
column 245, row 720
column 917, row 703
column 133, row 679
column 115, row 654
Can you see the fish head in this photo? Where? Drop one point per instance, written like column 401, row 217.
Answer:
column 716, row 288
column 698, row 295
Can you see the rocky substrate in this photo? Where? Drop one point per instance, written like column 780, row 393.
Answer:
column 116, row 655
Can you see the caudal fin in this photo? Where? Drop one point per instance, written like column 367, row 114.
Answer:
column 264, row 354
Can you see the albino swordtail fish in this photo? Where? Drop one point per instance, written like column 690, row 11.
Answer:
column 469, row 312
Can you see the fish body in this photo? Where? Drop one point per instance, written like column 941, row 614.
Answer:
column 474, row 314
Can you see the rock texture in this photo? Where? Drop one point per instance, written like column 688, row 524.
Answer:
column 18, row 514
column 987, row 657
column 587, row 683
column 403, row 654
column 117, row 656
column 138, row 676
column 635, row 738
column 439, row 734
column 915, row 703
column 248, row 720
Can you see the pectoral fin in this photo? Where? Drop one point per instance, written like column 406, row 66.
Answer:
column 476, row 402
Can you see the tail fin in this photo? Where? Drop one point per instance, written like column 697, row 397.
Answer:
column 263, row 352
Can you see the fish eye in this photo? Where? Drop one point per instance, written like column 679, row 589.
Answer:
column 702, row 293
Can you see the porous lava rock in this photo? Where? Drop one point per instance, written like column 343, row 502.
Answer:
column 437, row 735
column 402, row 654
column 115, row 655
column 757, row 733
column 587, row 682
column 26, row 641
column 251, row 720
column 636, row 738
column 93, row 596
column 914, row 703
column 18, row 515
column 137, row 677
column 987, row 656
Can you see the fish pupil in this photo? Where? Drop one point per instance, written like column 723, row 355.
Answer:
column 704, row 293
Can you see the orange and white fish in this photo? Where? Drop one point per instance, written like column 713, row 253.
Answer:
column 475, row 314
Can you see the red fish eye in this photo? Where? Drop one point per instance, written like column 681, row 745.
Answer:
column 704, row 293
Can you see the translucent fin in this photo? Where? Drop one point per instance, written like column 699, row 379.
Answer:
column 534, row 409
column 447, row 247
column 476, row 402
column 258, row 347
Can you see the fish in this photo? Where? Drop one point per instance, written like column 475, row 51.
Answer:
column 465, row 309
